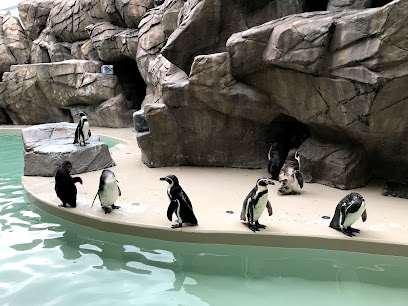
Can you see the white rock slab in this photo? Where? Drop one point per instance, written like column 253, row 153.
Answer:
column 46, row 146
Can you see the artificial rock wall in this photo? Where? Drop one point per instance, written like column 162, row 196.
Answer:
column 220, row 80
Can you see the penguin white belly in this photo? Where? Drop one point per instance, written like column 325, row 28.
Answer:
column 85, row 130
column 260, row 207
column 351, row 218
column 293, row 183
column 109, row 194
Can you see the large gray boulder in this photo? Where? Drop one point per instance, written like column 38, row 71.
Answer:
column 46, row 146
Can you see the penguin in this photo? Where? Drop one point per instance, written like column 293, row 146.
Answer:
column 255, row 203
column 290, row 177
column 180, row 204
column 108, row 191
column 347, row 212
column 82, row 132
column 275, row 160
column 65, row 185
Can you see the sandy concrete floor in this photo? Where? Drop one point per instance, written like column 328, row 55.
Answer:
column 296, row 222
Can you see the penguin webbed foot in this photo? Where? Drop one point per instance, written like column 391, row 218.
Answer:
column 353, row 230
column 62, row 205
column 252, row 227
column 115, row 207
column 177, row 225
column 107, row 210
column 347, row 232
column 258, row 225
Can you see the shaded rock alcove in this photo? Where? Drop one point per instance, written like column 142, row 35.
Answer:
column 131, row 82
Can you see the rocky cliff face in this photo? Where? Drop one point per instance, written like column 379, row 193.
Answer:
column 220, row 80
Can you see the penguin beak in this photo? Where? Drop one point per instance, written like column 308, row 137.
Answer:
column 270, row 182
column 163, row 178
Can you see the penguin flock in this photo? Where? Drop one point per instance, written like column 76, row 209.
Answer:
column 286, row 171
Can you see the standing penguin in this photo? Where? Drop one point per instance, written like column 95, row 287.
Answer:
column 179, row 203
column 275, row 160
column 348, row 211
column 82, row 132
column 65, row 184
column 255, row 204
column 108, row 191
column 290, row 177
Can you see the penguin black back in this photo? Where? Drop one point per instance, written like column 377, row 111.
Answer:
column 275, row 160
column 348, row 210
column 65, row 184
column 180, row 203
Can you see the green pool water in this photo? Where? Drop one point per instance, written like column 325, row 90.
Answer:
column 110, row 142
column 47, row 261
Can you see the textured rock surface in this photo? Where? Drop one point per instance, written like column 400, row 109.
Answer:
column 340, row 73
column 335, row 5
column 352, row 94
column 154, row 30
column 46, row 146
column 225, row 78
column 14, row 46
column 347, row 165
column 34, row 15
column 193, row 35
column 103, row 38
column 44, row 92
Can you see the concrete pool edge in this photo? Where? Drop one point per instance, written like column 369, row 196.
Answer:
column 281, row 232
column 189, row 235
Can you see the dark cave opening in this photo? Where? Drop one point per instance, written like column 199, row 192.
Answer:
column 379, row 3
column 4, row 117
column 287, row 132
column 316, row 5
column 253, row 6
column 131, row 82
column 283, row 134
column 67, row 112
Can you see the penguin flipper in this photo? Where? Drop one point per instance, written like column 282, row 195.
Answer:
column 299, row 178
column 250, row 213
column 89, row 133
column 76, row 137
column 269, row 208
column 244, row 208
column 364, row 215
column 120, row 192
column 171, row 209
column 342, row 214
column 335, row 222
column 77, row 180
